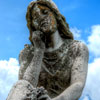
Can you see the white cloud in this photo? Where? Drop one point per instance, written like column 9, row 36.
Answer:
column 92, row 87
column 76, row 32
column 94, row 40
column 8, row 76
column 85, row 98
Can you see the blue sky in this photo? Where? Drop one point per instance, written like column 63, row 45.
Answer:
column 83, row 17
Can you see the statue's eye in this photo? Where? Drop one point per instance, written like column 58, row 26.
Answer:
column 45, row 11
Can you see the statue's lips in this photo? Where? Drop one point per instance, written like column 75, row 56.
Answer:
column 44, row 23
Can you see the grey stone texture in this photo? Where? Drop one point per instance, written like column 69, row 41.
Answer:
column 54, row 66
column 64, row 79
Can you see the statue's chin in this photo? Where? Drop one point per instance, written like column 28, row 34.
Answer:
column 47, row 30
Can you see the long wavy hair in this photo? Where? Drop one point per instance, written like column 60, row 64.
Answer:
column 62, row 25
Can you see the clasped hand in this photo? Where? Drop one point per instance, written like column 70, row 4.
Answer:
column 42, row 94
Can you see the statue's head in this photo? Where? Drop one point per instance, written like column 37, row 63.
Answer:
column 43, row 15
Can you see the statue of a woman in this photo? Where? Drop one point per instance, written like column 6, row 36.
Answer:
column 54, row 59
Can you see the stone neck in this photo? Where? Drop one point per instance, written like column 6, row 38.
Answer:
column 55, row 40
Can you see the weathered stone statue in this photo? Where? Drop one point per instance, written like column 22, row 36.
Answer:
column 54, row 65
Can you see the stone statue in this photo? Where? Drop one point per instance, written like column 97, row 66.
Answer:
column 54, row 65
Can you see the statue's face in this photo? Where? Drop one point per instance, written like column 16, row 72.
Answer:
column 43, row 19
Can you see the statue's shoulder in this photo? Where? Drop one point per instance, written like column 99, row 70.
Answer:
column 77, row 43
column 27, row 53
column 76, row 47
column 27, row 48
column 80, row 46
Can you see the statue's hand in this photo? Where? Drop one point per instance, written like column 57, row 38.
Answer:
column 37, row 40
column 42, row 94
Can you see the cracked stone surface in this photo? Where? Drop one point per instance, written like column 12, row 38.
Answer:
column 61, row 72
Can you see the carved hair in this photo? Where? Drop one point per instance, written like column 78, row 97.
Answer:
column 63, row 26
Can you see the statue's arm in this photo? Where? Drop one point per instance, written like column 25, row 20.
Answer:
column 31, row 65
column 25, row 89
column 78, row 75
column 23, row 61
column 33, row 70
